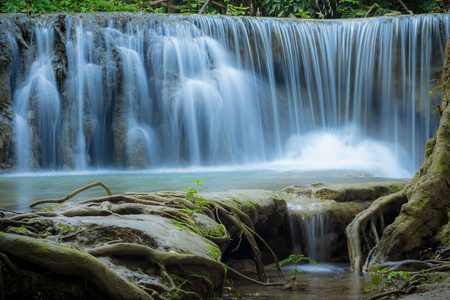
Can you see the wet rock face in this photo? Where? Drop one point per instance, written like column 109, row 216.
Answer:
column 7, row 44
column 348, row 192
column 319, row 214
column 310, row 218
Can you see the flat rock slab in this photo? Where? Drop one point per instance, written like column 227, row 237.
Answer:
column 347, row 192
column 160, row 233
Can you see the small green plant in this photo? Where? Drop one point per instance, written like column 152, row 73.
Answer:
column 383, row 281
column 296, row 259
column 376, row 279
column 435, row 93
column 159, row 10
column 305, row 14
column 230, row 290
column 192, row 195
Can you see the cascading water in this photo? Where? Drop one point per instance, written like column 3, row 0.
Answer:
column 37, row 108
column 312, row 233
column 149, row 91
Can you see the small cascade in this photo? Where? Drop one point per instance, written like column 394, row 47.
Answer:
column 151, row 91
column 312, row 235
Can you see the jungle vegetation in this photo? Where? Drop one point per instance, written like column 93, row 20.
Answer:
column 271, row 8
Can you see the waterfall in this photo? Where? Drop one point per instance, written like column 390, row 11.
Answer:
column 37, row 108
column 311, row 231
column 153, row 91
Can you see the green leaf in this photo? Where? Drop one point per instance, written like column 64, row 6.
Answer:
column 376, row 279
column 367, row 287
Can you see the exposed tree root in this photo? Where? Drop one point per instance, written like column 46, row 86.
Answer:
column 382, row 295
column 71, row 262
column 169, row 259
column 171, row 205
column 442, row 268
column 71, row 195
column 368, row 223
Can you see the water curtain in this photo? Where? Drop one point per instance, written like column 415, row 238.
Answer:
column 151, row 91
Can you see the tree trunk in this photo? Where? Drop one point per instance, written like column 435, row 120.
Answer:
column 423, row 221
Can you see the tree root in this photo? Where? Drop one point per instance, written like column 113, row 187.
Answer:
column 71, row 195
column 382, row 295
column 366, row 224
column 442, row 268
column 123, row 198
column 71, row 262
column 172, row 205
column 169, row 259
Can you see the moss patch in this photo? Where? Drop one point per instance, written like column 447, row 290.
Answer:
column 215, row 252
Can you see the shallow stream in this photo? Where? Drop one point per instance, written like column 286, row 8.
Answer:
column 17, row 191
column 316, row 282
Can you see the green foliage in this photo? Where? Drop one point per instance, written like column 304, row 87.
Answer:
column 229, row 289
column 287, row 8
column 296, row 259
column 191, row 6
column 436, row 92
column 237, row 10
column 383, row 281
column 192, row 195
column 69, row 6
column 350, row 9
column 273, row 8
